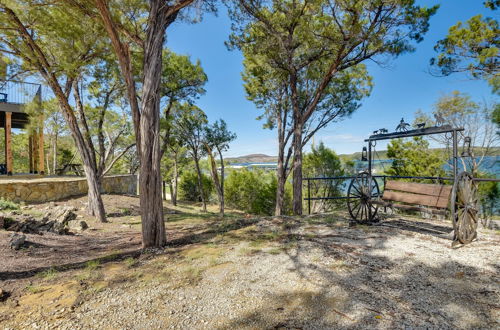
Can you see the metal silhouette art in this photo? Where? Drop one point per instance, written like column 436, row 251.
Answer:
column 439, row 119
column 380, row 131
column 421, row 125
column 402, row 127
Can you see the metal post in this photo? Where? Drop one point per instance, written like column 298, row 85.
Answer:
column 369, row 158
column 309, row 196
column 455, row 155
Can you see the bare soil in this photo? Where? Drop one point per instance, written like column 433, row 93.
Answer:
column 245, row 272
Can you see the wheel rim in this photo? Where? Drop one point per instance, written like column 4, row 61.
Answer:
column 362, row 190
column 465, row 208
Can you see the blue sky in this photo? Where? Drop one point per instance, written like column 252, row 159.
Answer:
column 399, row 89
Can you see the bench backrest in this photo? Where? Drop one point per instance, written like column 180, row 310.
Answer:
column 432, row 195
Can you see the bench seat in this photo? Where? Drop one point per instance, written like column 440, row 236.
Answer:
column 431, row 198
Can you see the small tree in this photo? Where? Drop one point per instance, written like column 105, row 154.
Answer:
column 188, row 129
column 54, row 127
column 414, row 158
column 218, row 137
column 175, row 161
column 181, row 81
column 323, row 162
column 458, row 110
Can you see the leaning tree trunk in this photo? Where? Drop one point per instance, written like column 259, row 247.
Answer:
column 215, row 177
column 95, row 206
column 297, row 170
column 200, row 183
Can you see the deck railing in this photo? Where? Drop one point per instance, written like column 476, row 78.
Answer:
column 19, row 92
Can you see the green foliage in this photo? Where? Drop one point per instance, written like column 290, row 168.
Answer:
column 181, row 79
column 8, row 205
column 496, row 117
column 252, row 191
column 48, row 274
column 218, row 136
column 308, row 53
column 323, row 162
column 414, row 158
column 188, row 187
column 472, row 47
column 489, row 197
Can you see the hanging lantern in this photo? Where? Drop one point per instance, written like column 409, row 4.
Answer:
column 466, row 150
column 364, row 155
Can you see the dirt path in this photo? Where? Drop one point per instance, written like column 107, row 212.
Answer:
column 311, row 273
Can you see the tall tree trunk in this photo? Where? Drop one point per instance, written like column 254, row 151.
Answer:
column 215, row 177
column 297, row 169
column 54, row 154
column 280, row 190
column 95, row 206
column 200, row 183
column 173, row 185
column 280, row 171
column 222, row 198
column 153, row 226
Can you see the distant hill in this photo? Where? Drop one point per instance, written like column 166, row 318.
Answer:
column 381, row 154
column 253, row 158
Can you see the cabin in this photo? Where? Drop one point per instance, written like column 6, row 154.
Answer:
column 14, row 95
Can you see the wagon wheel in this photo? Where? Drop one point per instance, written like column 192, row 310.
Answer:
column 464, row 204
column 362, row 190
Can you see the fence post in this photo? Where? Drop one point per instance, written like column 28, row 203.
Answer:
column 309, row 196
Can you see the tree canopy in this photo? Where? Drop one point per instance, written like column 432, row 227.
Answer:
column 473, row 47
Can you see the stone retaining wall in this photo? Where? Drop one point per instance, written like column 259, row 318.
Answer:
column 52, row 189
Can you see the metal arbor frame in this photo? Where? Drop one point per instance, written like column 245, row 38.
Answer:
column 463, row 198
column 368, row 189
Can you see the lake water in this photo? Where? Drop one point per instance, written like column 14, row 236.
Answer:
column 490, row 165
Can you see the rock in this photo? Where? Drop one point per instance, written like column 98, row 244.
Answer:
column 63, row 214
column 2, row 222
column 4, row 295
column 79, row 225
column 17, row 241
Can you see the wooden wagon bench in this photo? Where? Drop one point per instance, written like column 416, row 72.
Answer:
column 410, row 196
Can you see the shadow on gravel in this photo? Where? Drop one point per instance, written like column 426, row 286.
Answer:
column 420, row 227
column 78, row 254
column 365, row 290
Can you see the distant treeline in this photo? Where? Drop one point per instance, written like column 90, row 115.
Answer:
column 382, row 154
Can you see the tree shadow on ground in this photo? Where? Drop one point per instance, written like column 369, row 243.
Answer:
column 372, row 290
column 61, row 252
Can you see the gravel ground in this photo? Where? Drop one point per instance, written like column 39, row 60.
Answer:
column 284, row 274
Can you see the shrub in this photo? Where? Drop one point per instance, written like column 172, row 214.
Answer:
column 188, row 187
column 252, row 191
column 8, row 205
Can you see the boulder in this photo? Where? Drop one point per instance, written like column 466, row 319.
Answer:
column 61, row 214
column 78, row 225
column 17, row 241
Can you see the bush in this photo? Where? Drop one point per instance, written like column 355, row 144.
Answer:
column 252, row 191
column 188, row 187
column 8, row 205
